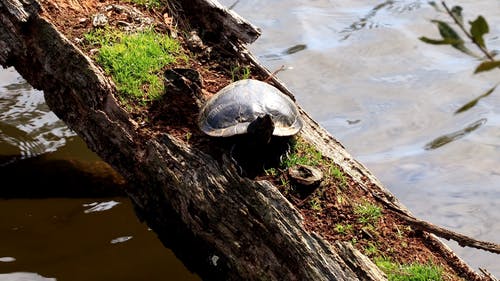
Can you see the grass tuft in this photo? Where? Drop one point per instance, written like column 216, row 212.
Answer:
column 343, row 229
column 135, row 60
column 240, row 73
column 409, row 272
column 368, row 212
column 150, row 4
column 302, row 153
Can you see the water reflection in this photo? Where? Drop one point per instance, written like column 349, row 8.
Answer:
column 295, row 49
column 27, row 126
column 368, row 20
column 100, row 207
column 275, row 55
column 445, row 139
column 121, row 239
column 7, row 259
column 24, row 276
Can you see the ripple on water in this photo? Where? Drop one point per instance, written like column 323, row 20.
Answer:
column 121, row 239
column 24, row 276
column 27, row 126
column 100, row 207
column 7, row 259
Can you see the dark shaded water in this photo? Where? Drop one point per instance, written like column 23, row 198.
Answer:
column 359, row 69
column 81, row 239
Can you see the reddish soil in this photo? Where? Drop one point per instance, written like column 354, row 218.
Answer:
column 387, row 236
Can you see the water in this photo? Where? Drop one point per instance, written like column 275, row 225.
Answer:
column 81, row 239
column 359, row 69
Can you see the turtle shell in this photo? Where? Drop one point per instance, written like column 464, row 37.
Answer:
column 233, row 108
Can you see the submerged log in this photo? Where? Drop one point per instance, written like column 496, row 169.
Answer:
column 222, row 225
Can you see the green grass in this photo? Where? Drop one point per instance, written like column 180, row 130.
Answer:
column 135, row 61
column 343, row 229
column 271, row 172
column 315, row 204
column 368, row 212
column 302, row 153
column 335, row 172
column 411, row 272
column 150, row 4
column 371, row 249
column 102, row 37
column 240, row 73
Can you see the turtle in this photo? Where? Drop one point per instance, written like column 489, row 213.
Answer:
column 250, row 107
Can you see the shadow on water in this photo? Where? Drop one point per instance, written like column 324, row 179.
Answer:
column 43, row 177
column 288, row 51
column 445, row 139
column 81, row 239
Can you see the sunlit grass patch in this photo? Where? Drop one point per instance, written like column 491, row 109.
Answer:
column 302, row 153
column 150, row 4
column 135, row 60
column 240, row 73
column 335, row 171
column 343, row 228
column 102, row 37
column 368, row 212
column 409, row 272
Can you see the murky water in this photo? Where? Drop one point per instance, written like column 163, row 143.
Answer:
column 359, row 69
column 81, row 239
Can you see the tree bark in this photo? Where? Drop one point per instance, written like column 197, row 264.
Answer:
column 223, row 226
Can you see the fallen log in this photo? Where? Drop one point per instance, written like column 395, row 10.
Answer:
column 222, row 225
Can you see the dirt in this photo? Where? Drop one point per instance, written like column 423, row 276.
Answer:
column 326, row 208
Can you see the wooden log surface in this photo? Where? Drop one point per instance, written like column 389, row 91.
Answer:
column 223, row 226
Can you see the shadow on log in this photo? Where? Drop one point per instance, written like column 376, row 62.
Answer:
column 223, row 226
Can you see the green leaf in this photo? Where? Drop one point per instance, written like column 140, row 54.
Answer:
column 487, row 65
column 438, row 41
column 478, row 28
column 473, row 102
column 445, row 139
column 446, row 31
column 450, row 35
column 456, row 11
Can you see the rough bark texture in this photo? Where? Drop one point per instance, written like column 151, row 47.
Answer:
column 223, row 226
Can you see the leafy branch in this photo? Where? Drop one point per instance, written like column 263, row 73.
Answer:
column 449, row 36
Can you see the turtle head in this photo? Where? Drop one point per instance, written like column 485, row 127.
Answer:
column 261, row 129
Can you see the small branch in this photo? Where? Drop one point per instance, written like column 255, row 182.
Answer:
column 461, row 239
column 274, row 73
column 457, row 22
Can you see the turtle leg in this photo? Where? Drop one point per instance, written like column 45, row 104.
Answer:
column 233, row 155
